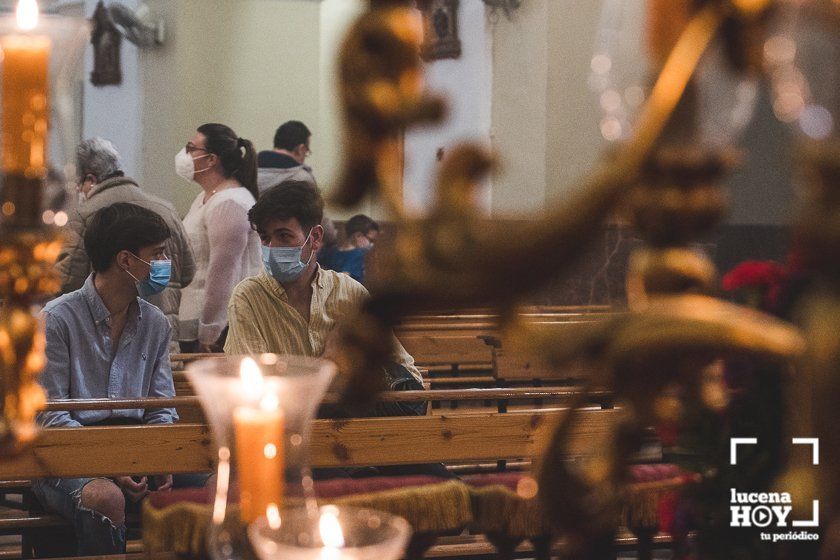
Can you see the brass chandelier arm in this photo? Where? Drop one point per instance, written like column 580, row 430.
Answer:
column 455, row 243
column 672, row 82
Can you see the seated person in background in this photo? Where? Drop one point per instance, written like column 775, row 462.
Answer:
column 360, row 232
column 101, row 183
column 103, row 341
column 286, row 162
column 294, row 304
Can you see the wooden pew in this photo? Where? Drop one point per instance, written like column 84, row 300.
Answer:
column 454, row 343
column 448, row 353
column 451, row 346
column 507, row 370
column 184, row 448
column 189, row 406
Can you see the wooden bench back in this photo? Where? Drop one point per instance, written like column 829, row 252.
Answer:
column 184, row 448
column 448, row 350
column 189, row 405
column 443, row 341
column 458, row 342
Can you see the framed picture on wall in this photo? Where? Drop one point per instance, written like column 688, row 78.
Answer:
column 440, row 29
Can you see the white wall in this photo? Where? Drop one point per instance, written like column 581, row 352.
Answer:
column 573, row 140
column 269, row 70
column 180, row 85
column 466, row 83
column 519, row 95
column 335, row 19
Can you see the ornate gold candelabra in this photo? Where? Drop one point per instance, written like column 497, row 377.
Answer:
column 26, row 258
column 39, row 57
column 454, row 257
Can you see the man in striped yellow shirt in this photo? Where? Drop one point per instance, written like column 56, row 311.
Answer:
column 293, row 306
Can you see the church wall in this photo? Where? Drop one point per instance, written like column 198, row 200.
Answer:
column 520, row 88
column 181, row 81
column 125, row 100
column 466, row 83
column 336, row 16
column 270, row 71
column 520, row 85
column 573, row 141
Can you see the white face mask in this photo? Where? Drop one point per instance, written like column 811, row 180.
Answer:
column 185, row 165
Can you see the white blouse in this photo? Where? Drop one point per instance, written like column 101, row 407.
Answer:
column 226, row 251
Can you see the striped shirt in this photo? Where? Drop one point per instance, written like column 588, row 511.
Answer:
column 261, row 320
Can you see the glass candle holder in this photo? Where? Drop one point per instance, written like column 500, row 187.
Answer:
column 41, row 70
column 260, row 410
column 336, row 533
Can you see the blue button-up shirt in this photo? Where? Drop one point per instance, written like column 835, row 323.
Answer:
column 82, row 363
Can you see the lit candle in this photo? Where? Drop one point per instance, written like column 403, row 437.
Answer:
column 331, row 535
column 25, row 115
column 258, row 430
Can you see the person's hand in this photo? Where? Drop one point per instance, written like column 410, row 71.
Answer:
column 206, row 348
column 134, row 491
column 163, row 482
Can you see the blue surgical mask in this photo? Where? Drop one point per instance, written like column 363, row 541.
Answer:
column 283, row 263
column 160, row 272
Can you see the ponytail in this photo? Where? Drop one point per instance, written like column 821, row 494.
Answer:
column 237, row 155
column 247, row 172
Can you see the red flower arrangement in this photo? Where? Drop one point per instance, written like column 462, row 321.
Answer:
column 763, row 277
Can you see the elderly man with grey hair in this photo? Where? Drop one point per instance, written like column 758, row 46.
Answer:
column 101, row 183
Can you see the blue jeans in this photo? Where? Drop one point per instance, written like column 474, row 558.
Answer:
column 95, row 533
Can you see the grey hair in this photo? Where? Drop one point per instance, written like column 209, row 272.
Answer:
column 98, row 157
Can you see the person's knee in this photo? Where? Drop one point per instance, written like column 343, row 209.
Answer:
column 106, row 498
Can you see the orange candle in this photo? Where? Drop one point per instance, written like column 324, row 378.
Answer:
column 259, row 455
column 25, row 115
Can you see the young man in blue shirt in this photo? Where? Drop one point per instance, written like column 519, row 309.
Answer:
column 104, row 341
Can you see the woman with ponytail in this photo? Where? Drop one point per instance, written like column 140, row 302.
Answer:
column 226, row 249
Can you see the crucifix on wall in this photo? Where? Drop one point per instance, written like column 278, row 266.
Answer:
column 106, row 40
column 440, row 29
column 110, row 24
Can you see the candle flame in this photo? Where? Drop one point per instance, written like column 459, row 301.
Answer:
column 27, row 14
column 270, row 451
column 331, row 533
column 270, row 402
column 272, row 513
column 251, row 377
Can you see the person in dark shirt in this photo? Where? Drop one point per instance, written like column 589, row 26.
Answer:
column 287, row 161
column 360, row 232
